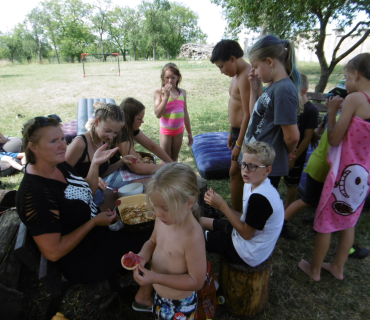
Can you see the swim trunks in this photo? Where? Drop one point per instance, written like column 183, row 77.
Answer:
column 168, row 309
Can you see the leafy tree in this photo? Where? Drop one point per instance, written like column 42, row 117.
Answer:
column 181, row 26
column 100, row 19
column 300, row 18
column 35, row 20
column 155, row 20
column 52, row 22
column 76, row 33
column 12, row 42
column 124, row 28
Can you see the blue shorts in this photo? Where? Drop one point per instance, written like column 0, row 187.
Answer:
column 168, row 309
column 9, row 154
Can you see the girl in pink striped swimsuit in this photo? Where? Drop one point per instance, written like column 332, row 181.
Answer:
column 170, row 107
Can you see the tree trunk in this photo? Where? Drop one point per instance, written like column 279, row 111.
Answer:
column 39, row 50
column 56, row 53
column 124, row 55
column 168, row 54
column 154, row 50
column 134, row 53
column 263, row 30
column 102, row 46
column 73, row 59
column 323, row 81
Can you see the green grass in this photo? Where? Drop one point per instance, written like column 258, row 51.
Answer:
column 35, row 90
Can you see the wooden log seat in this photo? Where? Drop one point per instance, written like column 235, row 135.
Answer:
column 245, row 288
column 10, row 266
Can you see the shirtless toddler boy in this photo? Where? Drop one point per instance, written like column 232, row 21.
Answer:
column 227, row 55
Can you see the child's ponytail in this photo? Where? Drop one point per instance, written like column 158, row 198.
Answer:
column 290, row 63
column 283, row 50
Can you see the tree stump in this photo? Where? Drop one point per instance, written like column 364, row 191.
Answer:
column 10, row 298
column 245, row 288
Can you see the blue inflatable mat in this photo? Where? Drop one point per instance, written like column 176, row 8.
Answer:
column 85, row 110
column 211, row 154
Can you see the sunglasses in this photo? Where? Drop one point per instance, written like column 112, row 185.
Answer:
column 43, row 122
column 250, row 167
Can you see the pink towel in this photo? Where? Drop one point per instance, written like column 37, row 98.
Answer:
column 347, row 183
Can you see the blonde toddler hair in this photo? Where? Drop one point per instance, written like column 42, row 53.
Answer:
column 264, row 152
column 89, row 123
column 177, row 183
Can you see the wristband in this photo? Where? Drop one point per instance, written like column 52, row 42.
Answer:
column 236, row 143
column 236, row 146
column 189, row 134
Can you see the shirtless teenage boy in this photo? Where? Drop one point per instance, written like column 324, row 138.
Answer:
column 227, row 55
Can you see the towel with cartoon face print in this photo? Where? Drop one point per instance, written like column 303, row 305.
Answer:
column 347, row 184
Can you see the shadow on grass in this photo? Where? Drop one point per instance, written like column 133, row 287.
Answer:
column 11, row 75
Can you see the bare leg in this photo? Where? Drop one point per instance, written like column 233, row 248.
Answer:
column 320, row 250
column 345, row 243
column 176, row 146
column 291, row 195
column 145, row 295
column 165, row 143
column 12, row 162
column 295, row 208
column 236, row 185
column 206, row 223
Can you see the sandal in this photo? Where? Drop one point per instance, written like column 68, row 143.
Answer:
column 141, row 307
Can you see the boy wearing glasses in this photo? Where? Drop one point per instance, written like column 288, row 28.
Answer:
column 248, row 237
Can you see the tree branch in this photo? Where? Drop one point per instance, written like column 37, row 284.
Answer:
column 346, row 36
column 343, row 55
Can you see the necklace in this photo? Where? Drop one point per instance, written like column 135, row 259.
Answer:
column 92, row 140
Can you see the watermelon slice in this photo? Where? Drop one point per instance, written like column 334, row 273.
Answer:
column 131, row 260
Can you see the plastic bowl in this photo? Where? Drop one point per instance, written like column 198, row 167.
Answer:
column 130, row 189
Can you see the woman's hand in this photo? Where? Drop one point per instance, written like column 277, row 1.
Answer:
column 102, row 155
column 104, row 218
column 214, row 199
column 254, row 81
column 166, row 90
column 144, row 276
column 129, row 159
column 102, row 184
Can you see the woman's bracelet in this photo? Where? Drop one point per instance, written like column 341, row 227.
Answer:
column 238, row 145
column 189, row 134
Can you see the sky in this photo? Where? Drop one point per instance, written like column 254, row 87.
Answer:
column 210, row 16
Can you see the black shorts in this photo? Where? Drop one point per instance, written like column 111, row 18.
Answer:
column 294, row 176
column 234, row 136
column 312, row 192
column 219, row 241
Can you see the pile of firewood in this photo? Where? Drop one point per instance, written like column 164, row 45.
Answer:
column 196, row 51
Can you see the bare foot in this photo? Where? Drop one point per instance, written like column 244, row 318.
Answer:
column 306, row 268
column 336, row 275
